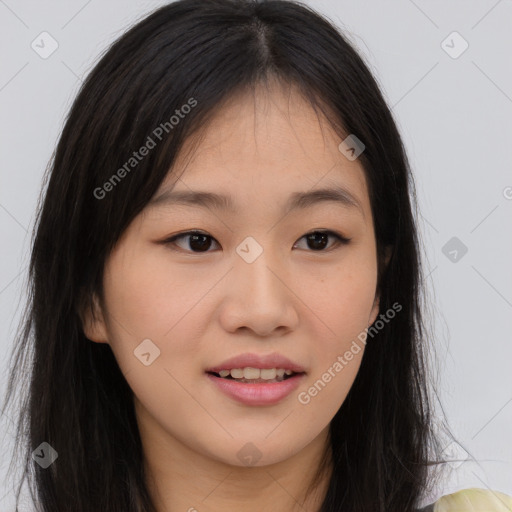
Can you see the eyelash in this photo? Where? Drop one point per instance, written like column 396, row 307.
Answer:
column 341, row 240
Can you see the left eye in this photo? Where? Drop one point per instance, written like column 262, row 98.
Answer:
column 318, row 239
column 201, row 242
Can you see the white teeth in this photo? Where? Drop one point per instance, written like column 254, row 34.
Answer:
column 237, row 373
column 268, row 374
column 255, row 373
column 251, row 373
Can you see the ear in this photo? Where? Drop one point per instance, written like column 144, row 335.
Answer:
column 375, row 308
column 93, row 321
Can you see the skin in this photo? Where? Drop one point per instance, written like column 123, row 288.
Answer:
column 201, row 308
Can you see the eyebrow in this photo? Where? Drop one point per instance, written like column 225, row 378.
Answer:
column 296, row 201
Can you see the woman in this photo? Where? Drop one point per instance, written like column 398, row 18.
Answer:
column 194, row 341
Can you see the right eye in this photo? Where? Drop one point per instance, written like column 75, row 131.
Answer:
column 198, row 241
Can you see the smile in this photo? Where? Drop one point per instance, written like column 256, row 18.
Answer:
column 256, row 387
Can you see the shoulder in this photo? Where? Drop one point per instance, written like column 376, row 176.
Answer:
column 473, row 500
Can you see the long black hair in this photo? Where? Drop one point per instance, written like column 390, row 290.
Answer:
column 198, row 53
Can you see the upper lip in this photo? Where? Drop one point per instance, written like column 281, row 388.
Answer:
column 258, row 361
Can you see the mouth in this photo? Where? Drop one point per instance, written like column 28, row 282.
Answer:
column 257, row 380
column 256, row 387
column 251, row 375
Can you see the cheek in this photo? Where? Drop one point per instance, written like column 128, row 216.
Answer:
column 148, row 300
column 342, row 304
column 145, row 294
column 342, row 297
column 325, row 390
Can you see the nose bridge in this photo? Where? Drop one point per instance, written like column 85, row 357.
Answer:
column 253, row 269
column 257, row 296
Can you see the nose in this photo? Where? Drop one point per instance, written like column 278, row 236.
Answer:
column 259, row 297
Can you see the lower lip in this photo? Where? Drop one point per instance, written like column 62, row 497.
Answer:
column 258, row 393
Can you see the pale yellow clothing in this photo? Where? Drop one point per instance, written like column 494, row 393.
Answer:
column 474, row 500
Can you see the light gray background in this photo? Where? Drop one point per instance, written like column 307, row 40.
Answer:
column 455, row 115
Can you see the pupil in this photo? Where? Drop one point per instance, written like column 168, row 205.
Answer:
column 314, row 237
column 200, row 246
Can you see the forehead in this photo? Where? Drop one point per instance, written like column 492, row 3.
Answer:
column 265, row 146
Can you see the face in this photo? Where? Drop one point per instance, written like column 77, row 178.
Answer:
column 266, row 276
